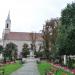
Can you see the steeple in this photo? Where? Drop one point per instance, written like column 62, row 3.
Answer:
column 7, row 26
column 8, row 23
column 8, row 17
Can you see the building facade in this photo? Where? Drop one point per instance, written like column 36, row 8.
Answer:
column 20, row 38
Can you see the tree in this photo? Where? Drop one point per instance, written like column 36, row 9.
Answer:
column 49, row 36
column 25, row 50
column 1, row 48
column 10, row 51
column 71, row 43
column 66, row 30
column 65, row 40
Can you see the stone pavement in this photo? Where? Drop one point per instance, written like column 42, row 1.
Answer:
column 29, row 68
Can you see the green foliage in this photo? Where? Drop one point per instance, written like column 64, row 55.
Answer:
column 25, row 50
column 66, row 34
column 40, row 54
column 49, row 36
column 71, row 42
column 11, row 46
column 68, row 15
column 10, row 51
column 9, row 68
column 45, row 67
column 70, row 63
column 62, row 72
column 1, row 48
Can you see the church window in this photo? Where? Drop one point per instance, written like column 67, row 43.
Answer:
column 7, row 25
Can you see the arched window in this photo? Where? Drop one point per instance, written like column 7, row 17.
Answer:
column 7, row 25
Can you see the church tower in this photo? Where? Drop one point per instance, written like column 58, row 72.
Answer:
column 7, row 26
column 8, row 23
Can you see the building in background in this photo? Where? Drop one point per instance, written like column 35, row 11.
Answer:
column 20, row 38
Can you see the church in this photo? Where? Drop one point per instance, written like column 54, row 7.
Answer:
column 20, row 38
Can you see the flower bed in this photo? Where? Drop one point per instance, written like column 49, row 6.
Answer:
column 65, row 68
column 46, row 68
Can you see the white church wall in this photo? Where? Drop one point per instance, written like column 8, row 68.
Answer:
column 18, row 43
column 38, row 43
column 21, row 43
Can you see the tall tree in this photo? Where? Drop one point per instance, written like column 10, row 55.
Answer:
column 25, row 50
column 10, row 51
column 66, row 34
column 1, row 48
column 49, row 35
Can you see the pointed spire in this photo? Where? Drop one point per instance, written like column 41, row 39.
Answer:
column 8, row 18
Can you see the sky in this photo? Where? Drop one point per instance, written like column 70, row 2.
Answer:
column 30, row 15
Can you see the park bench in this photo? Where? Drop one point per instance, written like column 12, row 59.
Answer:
column 1, row 69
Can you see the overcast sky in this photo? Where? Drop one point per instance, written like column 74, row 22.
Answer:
column 29, row 15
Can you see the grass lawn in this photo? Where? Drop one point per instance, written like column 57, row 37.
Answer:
column 9, row 68
column 62, row 72
column 45, row 66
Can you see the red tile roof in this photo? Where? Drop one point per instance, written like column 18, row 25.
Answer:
column 23, row 36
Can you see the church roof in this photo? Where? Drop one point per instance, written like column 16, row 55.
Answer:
column 24, row 36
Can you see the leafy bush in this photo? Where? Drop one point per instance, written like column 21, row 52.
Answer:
column 70, row 63
column 25, row 50
column 40, row 54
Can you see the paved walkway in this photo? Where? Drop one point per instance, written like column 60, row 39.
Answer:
column 29, row 68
